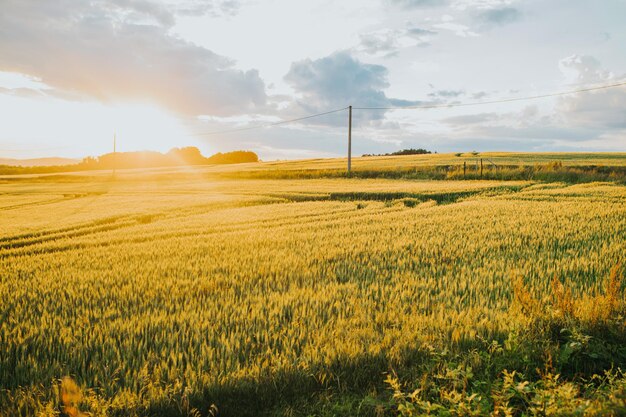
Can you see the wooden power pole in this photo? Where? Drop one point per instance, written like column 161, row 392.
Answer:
column 349, row 139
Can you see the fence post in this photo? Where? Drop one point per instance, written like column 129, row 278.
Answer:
column 481, row 167
column 464, row 168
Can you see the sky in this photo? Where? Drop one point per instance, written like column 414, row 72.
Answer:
column 164, row 74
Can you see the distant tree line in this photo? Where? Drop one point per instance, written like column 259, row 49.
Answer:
column 411, row 151
column 145, row 159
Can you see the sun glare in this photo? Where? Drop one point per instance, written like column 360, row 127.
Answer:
column 147, row 127
column 78, row 129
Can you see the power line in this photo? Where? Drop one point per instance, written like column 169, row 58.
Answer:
column 432, row 106
column 480, row 103
column 282, row 122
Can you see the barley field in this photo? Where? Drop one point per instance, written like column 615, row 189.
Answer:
column 182, row 292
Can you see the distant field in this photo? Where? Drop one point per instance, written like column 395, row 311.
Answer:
column 324, row 166
column 164, row 291
column 505, row 158
column 429, row 160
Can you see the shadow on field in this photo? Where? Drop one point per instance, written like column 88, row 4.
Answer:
column 448, row 197
column 354, row 387
column 297, row 392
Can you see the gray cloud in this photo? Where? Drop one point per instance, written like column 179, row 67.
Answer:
column 419, row 32
column 376, row 42
column 421, row 36
column 447, row 93
column 412, row 4
column 590, row 120
column 122, row 50
column 479, row 95
column 511, row 131
column 500, row 15
column 338, row 80
column 471, row 119
column 202, row 7
column 602, row 109
column 389, row 42
column 584, row 69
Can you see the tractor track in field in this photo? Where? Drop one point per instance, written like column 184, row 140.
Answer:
column 8, row 245
column 265, row 224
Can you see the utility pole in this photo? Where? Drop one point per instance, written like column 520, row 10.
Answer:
column 349, row 139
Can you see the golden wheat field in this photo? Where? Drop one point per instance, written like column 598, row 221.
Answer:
column 174, row 293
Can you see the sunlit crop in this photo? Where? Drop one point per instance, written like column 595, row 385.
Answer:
column 168, row 294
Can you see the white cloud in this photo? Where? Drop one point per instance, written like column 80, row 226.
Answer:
column 414, row 4
column 121, row 50
column 12, row 80
column 481, row 4
column 457, row 28
column 583, row 69
column 269, row 153
column 241, row 120
column 215, row 8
